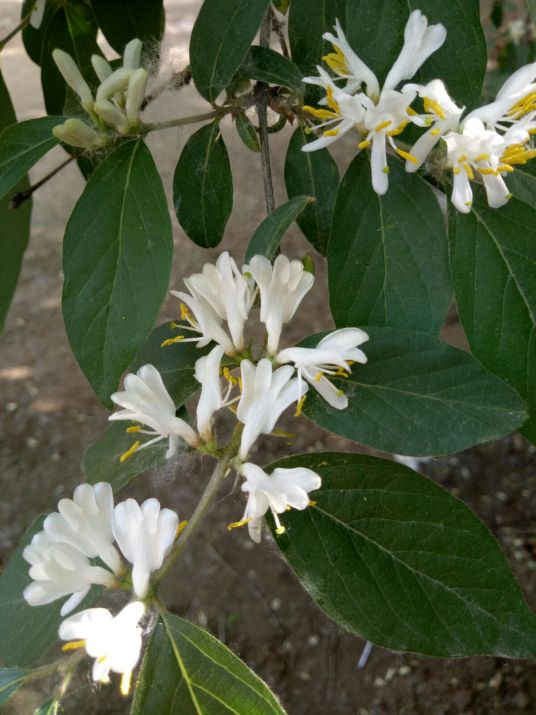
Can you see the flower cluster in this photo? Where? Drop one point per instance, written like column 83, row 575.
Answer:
column 115, row 108
column 216, row 309
column 488, row 142
column 83, row 544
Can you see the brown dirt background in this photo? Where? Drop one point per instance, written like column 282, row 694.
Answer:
column 244, row 594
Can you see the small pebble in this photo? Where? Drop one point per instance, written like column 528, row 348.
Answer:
column 11, row 406
column 404, row 670
column 31, row 442
column 379, row 682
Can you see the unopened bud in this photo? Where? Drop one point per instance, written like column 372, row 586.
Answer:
column 132, row 54
column 38, row 10
column 71, row 74
column 135, row 94
column 111, row 115
column 116, row 82
column 308, row 263
column 101, row 67
column 78, row 133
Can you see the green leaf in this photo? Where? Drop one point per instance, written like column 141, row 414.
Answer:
column 203, row 187
column 27, row 632
column 187, row 670
column 21, row 146
column 123, row 20
column 307, row 22
column 117, row 261
column 222, row 34
column 10, row 680
column 493, row 255
column 531, row 7
column 398, row 560
column 246, row 132
column 522, row 182
column 14, row 224
column 265, row 65
column 52, row 707
column 418, row 396
column 314, row 174
column 267, row 237
column 388, row 255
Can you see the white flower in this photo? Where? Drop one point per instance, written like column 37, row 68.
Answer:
column 38, row 10
column 265, row 396
column 146, row 400
column 114, row 641
column 145, row 534
column 277, row 491
column 77, row 133
column 85, row 523
column 383, row 114
column 282, row 288
column 72, row 75
column 132, row 54
column 207, row 372
column 58, row 569
column 333, row 355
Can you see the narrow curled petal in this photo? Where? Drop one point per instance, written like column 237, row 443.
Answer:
column 378, row 165
column 72, row 75
column 207, row 373
column 135, row 95
column 132, row 54
column 114, row 83
column 102, row 68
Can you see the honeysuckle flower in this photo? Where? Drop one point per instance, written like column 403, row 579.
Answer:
column 146, row 400
column 282, row 288
column 132, row 54
column 265, row 396
column 135, row 95
column 72, row 75
column 145, row 535
column 114, row 641
column 384, row 113
column 77, row 133
column 85, row 523
column 278, row 491
column 38, row 11
column 333, row 355
column 59, row 569
column 207, row 373
column 102, row 68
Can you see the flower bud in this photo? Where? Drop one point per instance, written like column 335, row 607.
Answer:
column 78, row 133
column 135, row 94
column 111, row 115
column 132, row 54
column 116, row 82
column 71, row 74
column 101, row 67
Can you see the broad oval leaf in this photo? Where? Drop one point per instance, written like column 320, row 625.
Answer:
column 187, row 670
column 11, row 680
column 222, row 34
column 247, row 132
column 314, row 174
column 307, row 22
column 395, row 558
column 266, row 65
column 21, row 146
column 203, row 187
column 117, row 261
column 123, row 20
column 388, row 255
column 14, row 224
column 493, row 256
column 267, row 237
column 418, row 396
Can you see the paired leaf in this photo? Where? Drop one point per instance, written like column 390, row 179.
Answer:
column 398, row 560
column 221, row 36
column 123, row 20
column 265, row 65
column 21, row 146
column 493, row 254
column 313, row 174
column 247, row 132
column 14, row 224
column 187, row 670
column 203, row 187
column 267, row 237
column 117, row 261
column 388, row 255
column 11, row 680
column 418, row 396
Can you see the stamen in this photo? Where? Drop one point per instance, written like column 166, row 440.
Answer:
column 319, row 375
column 364, row 144
column 431, row 105
column 332, row 104
column 435, row 132
column 299, row 406
column 180, row 528
column 320, row 113
column 130, row 451
column 126, row 679
column 337, row 61
column 382, row 125
column 482, row 157
column 488, row 172
column 185, row 313
column 278, row 432
column 230, row 378
column 175, row 325
column 398, row 130
column 468, row 170
column 171, row 341
column 134, row 428
column 238, row 524
column 385, row 169
column 312, row 503
column 73, row 645
column 406, row 155
column 331, row 132
column 505, row 167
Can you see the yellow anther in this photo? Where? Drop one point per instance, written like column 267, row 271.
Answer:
column 280, row 530
column 341, row 372
column 331, row 132
column 172, row 341
column 382, row 125
column 101, row 659
column 406, row 155
column 130, row 451
column 505, row 167
column 435, row 132
column 431, row 105
column 482, row 157
column 281, row 433
column 185, row 312
column 288, row 507
column 238, row 524
column 134, row 428
column 299, row 406
column 456, row 170
column 385, row 169
column 126, row 679
column 468, row 170
column 230, row 378
column 364, row 144
column 319, row 375
column 320, row 113
column 332, row 104
column 340, row 393
column 337, row 61
column 312, row 503
column 411, row 112
column 175, row 325
column 462, row 158
column 73, row 645
column 468, row 203
column 488, row 172
column 398, row 130
column 180, row 528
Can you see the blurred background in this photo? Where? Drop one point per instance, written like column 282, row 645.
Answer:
column 243, row 593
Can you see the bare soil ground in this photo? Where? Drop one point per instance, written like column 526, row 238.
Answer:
column 244, row 594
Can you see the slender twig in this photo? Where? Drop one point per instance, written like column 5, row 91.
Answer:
column 181, row 121
column 262, row 96
column 278, row 29
column 23, row 196
column 66, row 664
column 218, row 475
column 10, row 35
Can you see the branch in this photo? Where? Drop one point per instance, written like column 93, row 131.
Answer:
column 23, row 196
column 181, row 121
column 262, row 95
column 10, row 35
